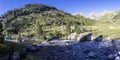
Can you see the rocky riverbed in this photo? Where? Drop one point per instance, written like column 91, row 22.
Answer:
column 74, row 50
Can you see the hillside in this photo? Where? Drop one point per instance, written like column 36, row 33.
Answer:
column 23, row 20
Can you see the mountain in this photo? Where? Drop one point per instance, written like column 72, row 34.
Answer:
column 104, row 16
column 117, row 16
column 23, row 20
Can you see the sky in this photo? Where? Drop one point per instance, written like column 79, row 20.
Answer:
column 71, row 6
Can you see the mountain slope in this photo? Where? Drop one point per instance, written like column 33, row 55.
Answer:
column 23, row 20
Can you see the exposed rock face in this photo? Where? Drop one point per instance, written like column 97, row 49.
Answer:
column 73, row 50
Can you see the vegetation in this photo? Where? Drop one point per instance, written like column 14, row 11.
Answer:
column 42, row 21
column 68, row 27
column 33, row 19
column 38, row 27
column 9, row 47
column 1, row 35
column 77, row 29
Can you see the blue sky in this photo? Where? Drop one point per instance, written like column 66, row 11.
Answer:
column 70, row 6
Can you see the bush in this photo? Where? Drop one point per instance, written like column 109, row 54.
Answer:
column 10, row 47
column 4, row 50
column 1, row 35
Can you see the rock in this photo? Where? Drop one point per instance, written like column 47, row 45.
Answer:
column 39, row 44
column 108, row 38
column 86, row 38
column 16, row 56
column 89, row 37
column 86, row 51
column 111, row 57
column 91, row 54
column 74, row 54
column 99, row 38
column 78, row 38
column 105, row 44
column 67, row 51
column 53, row 38
column 119, row 52
column 117, row 58
column 72, row 36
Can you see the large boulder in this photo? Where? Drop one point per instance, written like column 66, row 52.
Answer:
column 72, row 36
column 86, row 38
column 111, row 57
column 92, row 54
column 15, row 56
column 99, row 38
column 117, row 58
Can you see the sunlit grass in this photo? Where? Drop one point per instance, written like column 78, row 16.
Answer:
column 107, row 31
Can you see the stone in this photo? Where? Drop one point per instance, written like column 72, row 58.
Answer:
column 89, row 37
column 74, row 54
column 119, row 52
column 86, row 51
column 91, row 54
column 16, row 56
column 78, row 38
column 72, row 36
column 99, row 38
column 86, row 38
column 111, row 57
column 117, row 58
column 53, row 38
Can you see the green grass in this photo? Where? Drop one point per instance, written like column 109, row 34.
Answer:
column 107, row 29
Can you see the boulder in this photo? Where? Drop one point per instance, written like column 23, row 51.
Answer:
column 86, row 38
column 92, row 54
column 111, row 57
column 86, row 51
column 72, row 36
column 99, row 38
column 117, row 58
column 15, row 56
column 53, row 38
column 118, row 52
